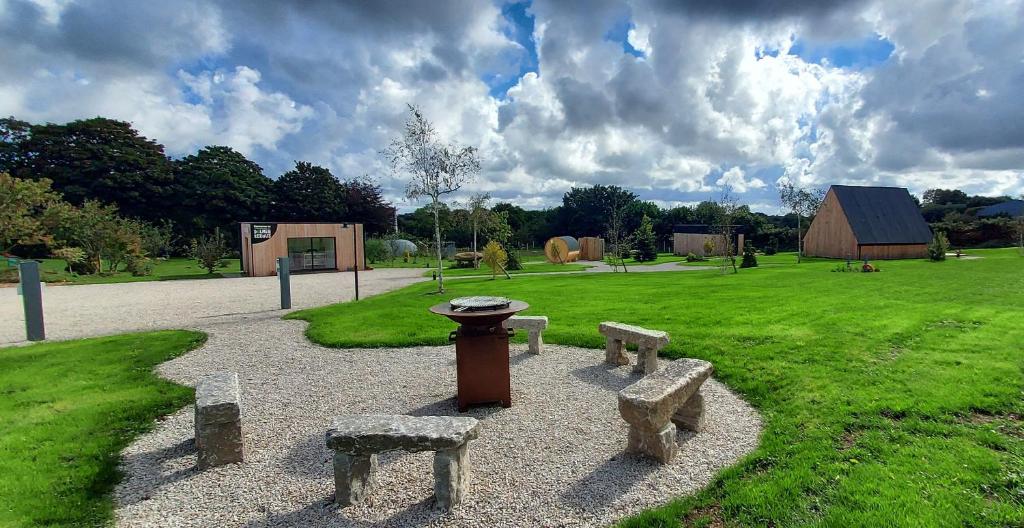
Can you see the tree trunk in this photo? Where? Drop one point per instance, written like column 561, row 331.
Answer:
column 799, row 240
column 476, row 261
column 437, row 240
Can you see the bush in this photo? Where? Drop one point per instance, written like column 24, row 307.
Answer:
column 938, row 247
column 749, row 257
column 772, row 248
column 139, row 265
column 646, row 244
column 495, row 257
column 71, row 256
column 690, row 257
column 376, row 250
column 209, row 251
column 513, row 260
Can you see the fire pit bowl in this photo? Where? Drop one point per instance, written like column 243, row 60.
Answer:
column 481, row 347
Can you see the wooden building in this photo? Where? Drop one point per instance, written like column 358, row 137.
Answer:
column 309, row 247
column 868, row 223
column 691, row 238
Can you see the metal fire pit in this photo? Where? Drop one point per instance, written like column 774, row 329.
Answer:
column 481, row 348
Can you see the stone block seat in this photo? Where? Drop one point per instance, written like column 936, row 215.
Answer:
column 648, row 342
column 658, row 402
column 218, row 420
column 357, row 439
column 535, row 325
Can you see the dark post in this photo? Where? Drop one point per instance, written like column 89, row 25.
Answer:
column 355, row 258
column 32, row 297
column 284, row 276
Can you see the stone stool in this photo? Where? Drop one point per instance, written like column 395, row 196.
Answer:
column 218, row 420
column 535, row 324
column 649, row 342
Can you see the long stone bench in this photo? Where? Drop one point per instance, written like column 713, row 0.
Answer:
column 656, row 404
column 357, row 440
column 218, row 421
column 649, row 342
column 535, row 324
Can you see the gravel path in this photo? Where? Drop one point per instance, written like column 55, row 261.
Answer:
column 553, row 459
column 100, row 309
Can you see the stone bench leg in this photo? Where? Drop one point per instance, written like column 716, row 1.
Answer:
column 451, row 476
column 354, row 477
column 614, row 352
column 219, row 443
column 690, row 415
column 659, row 444
column 536, row 342
column 646, row 360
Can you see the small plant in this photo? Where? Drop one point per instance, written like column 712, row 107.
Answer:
column 139, row 265
column 495, row 257
column 709, row 246
column 772, row 247
column 514, row 263
column 938, row 247
column 691, row 257
column 71, row 256
column 376, row 250
column 646, row 245
column 209, row 251
column 749, row 256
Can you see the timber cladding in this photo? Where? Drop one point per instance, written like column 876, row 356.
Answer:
column 867, row 223
column 312, row 247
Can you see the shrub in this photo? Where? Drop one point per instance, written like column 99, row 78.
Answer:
column 646, row 244
column 772, row 248
column 513, row 260
column 690, row 257
column 938, row 247
column 749, row 257
column 495, row 257
column 709, row 246
column 71, row 256
column 139, row 265
column 375, row 250
column 209, row 251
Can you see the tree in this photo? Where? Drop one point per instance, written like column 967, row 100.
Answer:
column 99, row 159
column 945, row 197
column 749, row 256
column 309, row 193
column 12, row 133
column 435, row 170
column 803, row 202
column 24, row 210
column 92, row 227
column 615, row 232
column 646, row 246
column 219, row 187
column 209, row 251
column 585, row 210
column 727, row 210
column 364, row 202
column 158, row 240
column 71, row 257
column 938, row 247
column 478, row 212
column 495, row 257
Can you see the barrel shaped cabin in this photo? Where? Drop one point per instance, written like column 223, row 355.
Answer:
column 308, row 246
column 560, row 250
column 868, row 223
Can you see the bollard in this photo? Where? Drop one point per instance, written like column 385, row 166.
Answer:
column 284, row 275
column 32, row 297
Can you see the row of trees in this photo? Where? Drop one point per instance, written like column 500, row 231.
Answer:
column 110, row 162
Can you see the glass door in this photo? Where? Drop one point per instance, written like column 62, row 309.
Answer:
column 312, row 253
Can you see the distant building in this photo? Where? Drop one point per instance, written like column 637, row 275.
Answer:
column 868, row 223
column 691, row 238
column 1012, row 208
column 310, row 246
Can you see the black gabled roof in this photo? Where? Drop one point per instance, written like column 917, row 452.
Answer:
column 1010, row 208
column 883, row 215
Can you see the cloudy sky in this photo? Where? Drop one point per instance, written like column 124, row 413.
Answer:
column 673, row 99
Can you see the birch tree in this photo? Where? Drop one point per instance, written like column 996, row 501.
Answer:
column 477, row 214
column 802, row 202
column 435, row 170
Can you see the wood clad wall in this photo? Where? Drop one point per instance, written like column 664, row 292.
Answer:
column 260, row 260
column 830, row 234
column 591, row 248
column 893, row 251
column 686, row 243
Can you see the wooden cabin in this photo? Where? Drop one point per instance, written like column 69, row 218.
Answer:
column 868, row 223
column 311, row 246
column 691, row 238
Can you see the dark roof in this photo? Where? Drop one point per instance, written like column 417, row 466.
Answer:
column 1011, row 208
column 883, row 215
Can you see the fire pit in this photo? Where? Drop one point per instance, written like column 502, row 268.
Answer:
column 481, row 347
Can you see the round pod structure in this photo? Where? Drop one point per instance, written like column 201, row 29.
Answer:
column 400, row 247
column 560, row 250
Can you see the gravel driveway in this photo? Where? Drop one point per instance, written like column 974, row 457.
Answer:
column 75, row 311
column 555, row 458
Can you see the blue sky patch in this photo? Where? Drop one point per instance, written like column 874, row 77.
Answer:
column 620, row 33
column 519, row 29
column 864, row 53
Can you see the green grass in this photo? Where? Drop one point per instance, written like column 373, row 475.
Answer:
column 67, row 411
column 54, row 270
column 889, row 399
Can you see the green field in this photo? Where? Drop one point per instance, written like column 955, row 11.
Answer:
column 55, row 271
column 889, row 399
column 67, row 411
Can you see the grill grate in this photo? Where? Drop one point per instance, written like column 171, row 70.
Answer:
column 479, row 304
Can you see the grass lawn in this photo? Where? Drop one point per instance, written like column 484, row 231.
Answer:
column 889, row 399
column 67, row 411
column 53, row 270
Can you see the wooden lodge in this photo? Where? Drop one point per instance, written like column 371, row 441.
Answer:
column 868, row 223
column 311, row 246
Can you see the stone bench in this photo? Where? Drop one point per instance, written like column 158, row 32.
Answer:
column 357, row 439
column 649, row 343
column 218, row 420
column 535, row 324
column 658, row 402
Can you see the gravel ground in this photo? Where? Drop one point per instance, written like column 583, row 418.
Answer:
column 99, row 309
column 553, row 459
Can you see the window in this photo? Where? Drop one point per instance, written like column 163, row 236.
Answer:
column 313, row 253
